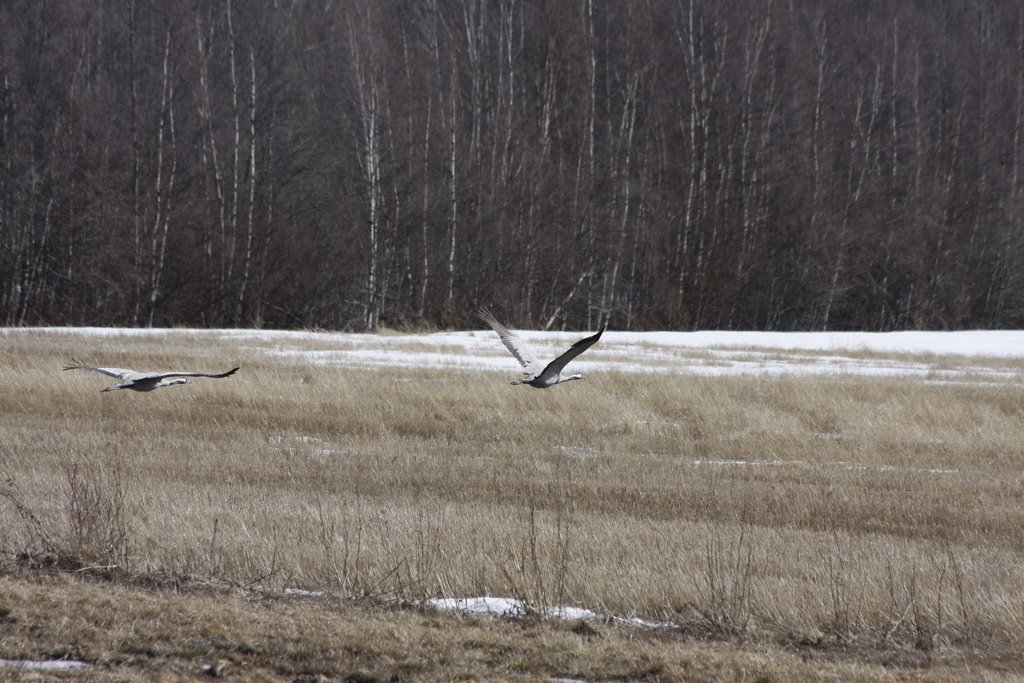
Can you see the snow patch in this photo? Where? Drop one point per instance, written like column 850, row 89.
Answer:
column 48, row 665
column 513, row 608
column 808, row 465
column 977, row 357
column 994, row 343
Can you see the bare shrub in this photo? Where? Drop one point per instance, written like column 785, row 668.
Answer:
column 94, row 530
column 725, row 586
column 42, row 545
column 842, row 559
column 98, row 517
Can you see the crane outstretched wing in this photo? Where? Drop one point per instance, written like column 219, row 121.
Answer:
column 167, row 375
column 513, row 343
column 556, row 366
column 124, row 374
column 119, row 373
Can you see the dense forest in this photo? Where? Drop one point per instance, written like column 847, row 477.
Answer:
column 665, row 164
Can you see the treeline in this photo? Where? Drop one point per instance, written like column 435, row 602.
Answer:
column 674, row 164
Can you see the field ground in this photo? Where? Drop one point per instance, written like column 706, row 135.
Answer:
column 128, row 631
column 726, row 512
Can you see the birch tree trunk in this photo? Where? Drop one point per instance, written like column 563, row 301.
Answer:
column 753, row 50
column 236, row 148
column 817, row 140
column 587, row 160
column 162, row 194
column 623, row 188
column 212, row 164
column 425, row 219
column 247, row 254
column 453, row 189
column 136, row 211
column 368, row 146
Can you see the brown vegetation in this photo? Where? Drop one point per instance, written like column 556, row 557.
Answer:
column 858, row 522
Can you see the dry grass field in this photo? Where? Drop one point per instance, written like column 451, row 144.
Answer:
column 289, row 523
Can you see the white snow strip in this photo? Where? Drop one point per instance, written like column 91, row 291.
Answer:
column 974, row 357
column 511, row 607
column 808, row 464
column 49, row 665
column 999, row 343
column 995, row 343
column 506, row 607
column 606, row 361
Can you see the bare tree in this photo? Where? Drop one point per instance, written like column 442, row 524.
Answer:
column 163, row 190
column 693, row 164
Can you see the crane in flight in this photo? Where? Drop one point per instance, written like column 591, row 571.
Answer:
column 144, row 381
column 535, row 374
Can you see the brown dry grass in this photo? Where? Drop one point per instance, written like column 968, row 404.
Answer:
column 879, row 517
